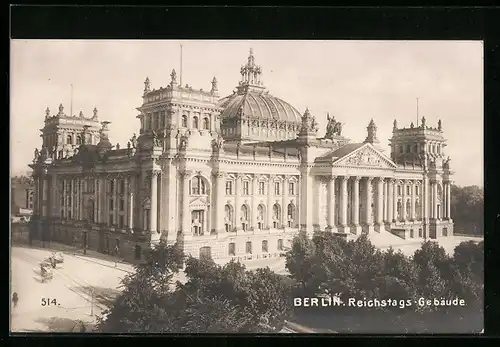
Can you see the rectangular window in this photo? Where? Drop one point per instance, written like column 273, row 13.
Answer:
column 291, row 188
column 399, row 190
column 110, row 219
column 111, row 186
column 122, row 205
column 249, row 247
column 280, row 244
column 120, row 221
column 417, row 190
column 246, row 187
column 122, row 187
column 276, row 188
column 111, row 204
column 408, row 190
column 261, row 188
column 232, row 249
column 229, row 188
column 264, row 246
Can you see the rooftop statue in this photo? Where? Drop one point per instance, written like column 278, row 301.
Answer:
column 333, row 127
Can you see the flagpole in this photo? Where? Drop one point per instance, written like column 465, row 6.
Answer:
column 417, row 113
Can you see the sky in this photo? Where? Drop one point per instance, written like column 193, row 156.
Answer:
column 355, row 81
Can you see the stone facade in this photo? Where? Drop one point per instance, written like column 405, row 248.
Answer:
column 224, row 178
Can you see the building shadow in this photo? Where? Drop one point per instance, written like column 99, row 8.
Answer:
column 66, row 325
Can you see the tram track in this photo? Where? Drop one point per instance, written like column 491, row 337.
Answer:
column 80, row 286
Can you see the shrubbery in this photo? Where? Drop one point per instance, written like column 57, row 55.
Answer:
column 331, row 265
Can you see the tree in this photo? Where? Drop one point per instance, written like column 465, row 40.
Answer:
column 147, row 299
column 300, row 259
column 261, row 296
column 467, row 208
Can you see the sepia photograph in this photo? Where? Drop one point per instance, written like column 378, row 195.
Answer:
column 246, row 186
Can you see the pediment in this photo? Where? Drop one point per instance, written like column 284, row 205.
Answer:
column 199, row 202
column 365, row 156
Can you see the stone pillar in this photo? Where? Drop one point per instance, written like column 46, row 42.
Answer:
column 413, row 187
column 269, row 201
column 284, row 210
column 331, row 203
column 343, row 206
column 237, row 207
column 448, row 200
column 254, row 192
column 368, row 210
column 115, row 202
column 153, row 212
column 403, row 206
column 434, row 200
column 394, row 201
column 96, row 199
column 131, row 196
column 386, row 201
column 53, row 197
column 390, row 201
column 186, row 213
column 220, row 186
column 355, row 203
column 380, row 202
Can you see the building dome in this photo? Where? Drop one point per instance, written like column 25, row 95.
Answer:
column 261, row 105
column 251, row 113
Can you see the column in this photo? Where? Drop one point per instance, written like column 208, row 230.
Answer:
column 80, row 202
column 394, row 201
column 343, row 198
column 237, row 207
column 413, row 187
column 331, row 203
column 386, row 200
column 96, row 199
column 448, row 200
column 115, row 202
column 131, row 196
column 186, row 214
column 390, row 200
column 43, row 197
column 219, row 205
column 284, row 209
column 53, row 196
column 369, row 193
column 435, row 200
column 255, row 190
column 380, row 200
column 403, row 206
column 154, row 199
column 269, row 202
column 355, row 207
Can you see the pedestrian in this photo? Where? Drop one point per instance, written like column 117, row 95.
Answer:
column 15, row 299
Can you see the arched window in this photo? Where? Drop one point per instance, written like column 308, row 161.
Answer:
column 195, row 122
column 228, row 213
column 291, row 211
column 197, row 186
column 276, row 212
column 260, row 212
column 399, row 210
column 78, row 140
column 184, row 121
column 69, row 140
column 206, row 124
column 249, row 247
column 408, row 209
column 244, row 213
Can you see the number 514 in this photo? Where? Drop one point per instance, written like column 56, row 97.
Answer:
column 49, row 302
